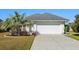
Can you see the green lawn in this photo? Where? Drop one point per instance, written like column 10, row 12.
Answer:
column 73, row 35
column 15, row 42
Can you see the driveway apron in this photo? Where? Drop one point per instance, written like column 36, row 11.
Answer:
column 54, row 42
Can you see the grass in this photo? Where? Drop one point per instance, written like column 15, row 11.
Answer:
column 73, row 35
column 15, row 42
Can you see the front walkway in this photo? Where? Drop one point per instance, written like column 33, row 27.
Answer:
column 54, row 42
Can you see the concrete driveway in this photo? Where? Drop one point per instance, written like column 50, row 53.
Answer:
column 54, row 42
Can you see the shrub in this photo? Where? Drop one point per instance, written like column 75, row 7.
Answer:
column 66, row 29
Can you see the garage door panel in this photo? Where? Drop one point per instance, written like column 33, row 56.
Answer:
column 49, row 29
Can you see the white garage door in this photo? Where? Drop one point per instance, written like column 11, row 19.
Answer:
column 50, row 29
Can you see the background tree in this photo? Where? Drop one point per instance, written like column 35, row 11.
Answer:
column 75, row 25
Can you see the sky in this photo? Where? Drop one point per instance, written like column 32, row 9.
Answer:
column 65, row 13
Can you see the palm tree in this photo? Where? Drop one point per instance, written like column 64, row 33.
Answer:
column 1, row 22
column 30, row 24
column 6, row 24
column 14, row 22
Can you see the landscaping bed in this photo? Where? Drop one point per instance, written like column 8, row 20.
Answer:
column 15, row 42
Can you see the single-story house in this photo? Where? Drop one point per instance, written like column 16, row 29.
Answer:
column 47, row 23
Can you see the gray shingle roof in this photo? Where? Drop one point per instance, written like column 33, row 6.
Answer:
column 45, row 16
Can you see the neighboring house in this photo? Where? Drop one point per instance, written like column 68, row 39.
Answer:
column 47, row 23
